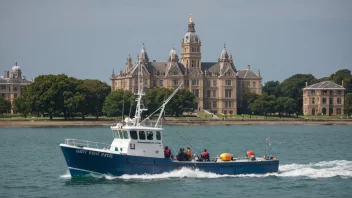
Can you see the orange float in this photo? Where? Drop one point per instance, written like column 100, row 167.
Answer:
column 226, row 157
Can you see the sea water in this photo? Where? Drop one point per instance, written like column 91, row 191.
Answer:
column 315, row 161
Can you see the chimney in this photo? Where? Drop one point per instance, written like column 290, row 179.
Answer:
column 249, row 66
column 342, row 83
column 306, row 83
column 6, row 74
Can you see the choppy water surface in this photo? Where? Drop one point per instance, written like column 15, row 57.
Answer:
column 315, row 161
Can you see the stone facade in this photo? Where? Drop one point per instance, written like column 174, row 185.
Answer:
column 325, row 98
column 11, row 86
column 216, row 85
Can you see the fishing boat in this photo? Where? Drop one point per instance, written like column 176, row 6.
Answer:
column 137, row 148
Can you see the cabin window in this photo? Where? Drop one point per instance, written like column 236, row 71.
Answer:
column 133, row 135
column 116, row 134
column 149, row 135
column 158, row 135
column 125, row 135
column 121, row 134
column 141, row 135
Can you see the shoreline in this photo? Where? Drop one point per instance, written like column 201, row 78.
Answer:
column 174, row 122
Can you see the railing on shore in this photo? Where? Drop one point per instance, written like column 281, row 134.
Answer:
column 87, row 144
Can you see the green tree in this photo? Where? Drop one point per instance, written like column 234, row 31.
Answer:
column 264, row 104
column 257, row 106
column 50, row 93
column 348, row 104
column 118, row 101
column 346, row 76
column 5, row 105
column 247, row 99
column 290, row 106
column 269, row 104
column 95, row 93
column 22, row 105
column 292, row 88
column 183, row 99
column 154, row 98
column 271, row 88
column 280, row 105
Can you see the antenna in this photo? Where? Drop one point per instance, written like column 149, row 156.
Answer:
column 123, row 106
column 129, row 114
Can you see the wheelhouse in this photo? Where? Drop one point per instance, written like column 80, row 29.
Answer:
column 138, row 141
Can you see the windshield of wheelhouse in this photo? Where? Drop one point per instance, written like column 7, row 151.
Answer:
column 145, row 135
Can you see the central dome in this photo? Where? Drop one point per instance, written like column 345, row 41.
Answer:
column 191, row 37
column 16, row 68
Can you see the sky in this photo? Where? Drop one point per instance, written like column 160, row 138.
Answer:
column 89, row 39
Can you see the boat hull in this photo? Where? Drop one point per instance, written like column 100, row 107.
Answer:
column 83, row 161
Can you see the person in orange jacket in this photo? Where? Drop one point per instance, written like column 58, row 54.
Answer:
column 189, row 153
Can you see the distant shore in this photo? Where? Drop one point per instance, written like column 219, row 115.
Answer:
column 191, row 122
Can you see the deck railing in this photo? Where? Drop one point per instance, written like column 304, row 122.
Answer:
column 87, row 144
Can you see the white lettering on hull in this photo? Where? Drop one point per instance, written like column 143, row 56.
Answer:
column 95, row 153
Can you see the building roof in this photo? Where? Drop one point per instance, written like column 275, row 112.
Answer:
column 14, row 81
column 247, row 73
column 210, row 66
column 325, row 85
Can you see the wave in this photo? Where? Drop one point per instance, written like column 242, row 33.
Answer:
column 324, row 169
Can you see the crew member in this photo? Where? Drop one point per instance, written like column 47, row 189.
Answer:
column 205, row 155
column 189, row 153
column 181, row 155
column 167, row 152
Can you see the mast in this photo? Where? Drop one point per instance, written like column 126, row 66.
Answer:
column 140, row 107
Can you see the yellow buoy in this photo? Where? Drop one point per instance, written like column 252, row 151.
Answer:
column 226, row 157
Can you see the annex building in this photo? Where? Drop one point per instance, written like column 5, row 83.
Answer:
column 217, row 86
column 11, row 84
column 325, row 98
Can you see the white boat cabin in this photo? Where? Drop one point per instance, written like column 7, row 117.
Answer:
column 138, row 141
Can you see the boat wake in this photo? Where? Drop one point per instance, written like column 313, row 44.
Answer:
column 324, row 169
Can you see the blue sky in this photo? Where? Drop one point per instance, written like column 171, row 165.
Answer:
column 87, row 39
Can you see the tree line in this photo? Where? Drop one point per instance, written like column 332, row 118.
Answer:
column 68, row 97
column 122, row 102
column 60, row 95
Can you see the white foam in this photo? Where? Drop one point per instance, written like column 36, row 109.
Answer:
column 324, row 169
column 66, row 175
column 181, row 173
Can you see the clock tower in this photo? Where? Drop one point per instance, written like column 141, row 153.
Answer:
column 191, row 47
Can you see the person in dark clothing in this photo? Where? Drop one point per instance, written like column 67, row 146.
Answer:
column 205, row 155
column 181, row 155
column 185, row 154
column 167, row 152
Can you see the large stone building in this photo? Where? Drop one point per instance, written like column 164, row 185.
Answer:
column 217, row 86
column 325, row 98
column 11, row 86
